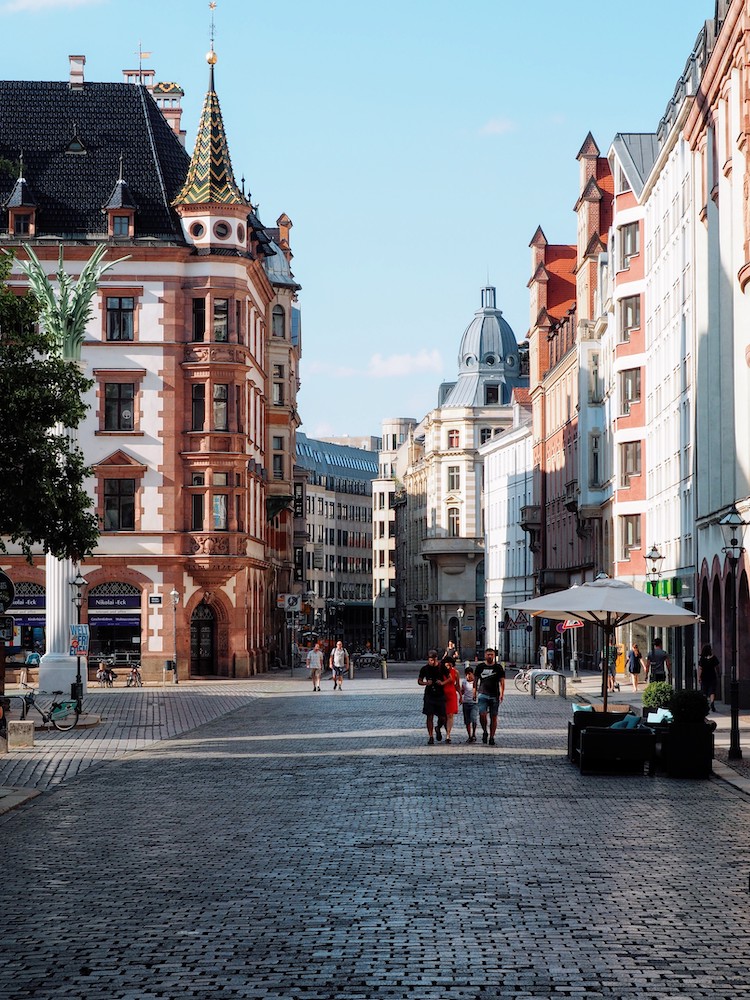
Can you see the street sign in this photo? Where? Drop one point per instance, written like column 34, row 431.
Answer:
column 545, row 624
column 7, row 591
column 522, row 620
column 293, row 602
column 79, row 640
column 560, row 627
column 7, row 624
column 571, row 623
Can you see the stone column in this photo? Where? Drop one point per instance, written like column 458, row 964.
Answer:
column 57, row 670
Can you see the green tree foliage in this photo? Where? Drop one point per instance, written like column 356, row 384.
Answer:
column 43, row 501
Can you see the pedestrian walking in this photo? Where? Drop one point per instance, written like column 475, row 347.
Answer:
column 451, row 690
column 338, row 661
column 612, row 684
column 469, row 703
column 451, row 653
column 708, row 674
column 490, row 690
column 635, row 664
column 432, row 677
column 315, row 665
column 658, row 663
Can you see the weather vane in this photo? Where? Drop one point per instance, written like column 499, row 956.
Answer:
column 141, row 56
column 212, row 8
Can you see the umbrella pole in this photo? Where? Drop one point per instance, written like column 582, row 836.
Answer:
column 608, row 630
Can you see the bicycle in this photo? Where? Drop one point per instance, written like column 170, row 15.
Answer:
column 63, row 714
column 521, row 680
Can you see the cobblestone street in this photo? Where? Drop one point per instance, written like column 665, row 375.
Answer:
column 311, row 847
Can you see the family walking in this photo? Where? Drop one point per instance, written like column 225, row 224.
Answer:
column 480, row 692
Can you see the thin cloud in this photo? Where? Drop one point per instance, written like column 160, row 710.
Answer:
column 35, row 6
column 401, row 365
column 497, row 126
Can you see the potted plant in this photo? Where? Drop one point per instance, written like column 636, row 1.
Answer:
column 657, row 694
column 689, row 747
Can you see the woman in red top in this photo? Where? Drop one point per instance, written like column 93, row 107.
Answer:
column 452, row 689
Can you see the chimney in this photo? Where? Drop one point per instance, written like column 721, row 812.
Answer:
column 76, row 72
column 285, row 224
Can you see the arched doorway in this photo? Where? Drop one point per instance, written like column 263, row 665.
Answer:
column 203, row 641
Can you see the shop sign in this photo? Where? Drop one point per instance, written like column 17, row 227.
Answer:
column 114, row 602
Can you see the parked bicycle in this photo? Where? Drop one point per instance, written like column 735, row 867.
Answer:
column 105, row 674
column 62, row 714
column 134, row 677
column 522, row 680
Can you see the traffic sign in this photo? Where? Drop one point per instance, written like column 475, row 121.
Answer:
column 7, row 624
column 7, row 591
column 571, row 623
column 560, row 627
column 522, row 620
column 293, row 602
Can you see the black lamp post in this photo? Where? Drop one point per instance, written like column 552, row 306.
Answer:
column 78, row 586
column 460, row 612
column 175, row 595
column 732, row 529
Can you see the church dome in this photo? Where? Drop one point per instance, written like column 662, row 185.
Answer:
column 489, row 364
column 488, row 343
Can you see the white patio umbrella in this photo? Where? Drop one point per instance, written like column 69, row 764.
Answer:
column 608, row 604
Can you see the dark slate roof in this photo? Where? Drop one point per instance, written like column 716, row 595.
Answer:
column 40, row 119
column 21, row 195
column 637, row 152
column 121, row 197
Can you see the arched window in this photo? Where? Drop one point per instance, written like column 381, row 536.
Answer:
column 454, row 523
column 277, row 321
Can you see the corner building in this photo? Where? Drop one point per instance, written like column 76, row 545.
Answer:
column 176, row 430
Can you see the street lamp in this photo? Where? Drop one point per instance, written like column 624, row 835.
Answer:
column 175, row 595
column 460, row 612
column 732, row 529
column 78, row 586
column 654, row 559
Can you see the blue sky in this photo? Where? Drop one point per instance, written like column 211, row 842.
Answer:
column 415, row 144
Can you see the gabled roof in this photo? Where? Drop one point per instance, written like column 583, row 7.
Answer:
column 210, row 180
column 39, row 119
column 637, row 152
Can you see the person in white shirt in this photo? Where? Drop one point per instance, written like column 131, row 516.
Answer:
column 315, row 665
column 338, row 662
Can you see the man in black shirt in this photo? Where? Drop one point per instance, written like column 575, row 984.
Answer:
column 433, row 677
column 489, row 688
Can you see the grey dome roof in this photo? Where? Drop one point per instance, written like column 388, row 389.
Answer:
column 488, row 342
column 488, row 355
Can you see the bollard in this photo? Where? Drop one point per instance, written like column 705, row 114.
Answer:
column 384, row 669
column 351, row 669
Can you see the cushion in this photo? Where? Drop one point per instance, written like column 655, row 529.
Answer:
column 627, row 722
column 582, row 708
column 660, row 715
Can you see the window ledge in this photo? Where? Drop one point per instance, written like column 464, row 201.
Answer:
column 119, row 433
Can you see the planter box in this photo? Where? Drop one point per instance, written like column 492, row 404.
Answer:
column 688, row 749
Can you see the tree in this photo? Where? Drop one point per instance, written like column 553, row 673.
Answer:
column 43, row 501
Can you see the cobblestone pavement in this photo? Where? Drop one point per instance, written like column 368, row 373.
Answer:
column 312, row 846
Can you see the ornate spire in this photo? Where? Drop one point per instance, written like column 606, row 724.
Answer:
column 210, row 180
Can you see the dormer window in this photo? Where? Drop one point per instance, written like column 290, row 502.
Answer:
column 22, row 223
column 120, row 225
column 222, row 231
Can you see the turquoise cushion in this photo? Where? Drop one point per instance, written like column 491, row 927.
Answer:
column 582, row 708
column 626, row 722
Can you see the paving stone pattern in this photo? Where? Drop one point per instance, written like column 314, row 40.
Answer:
column 311, row 847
